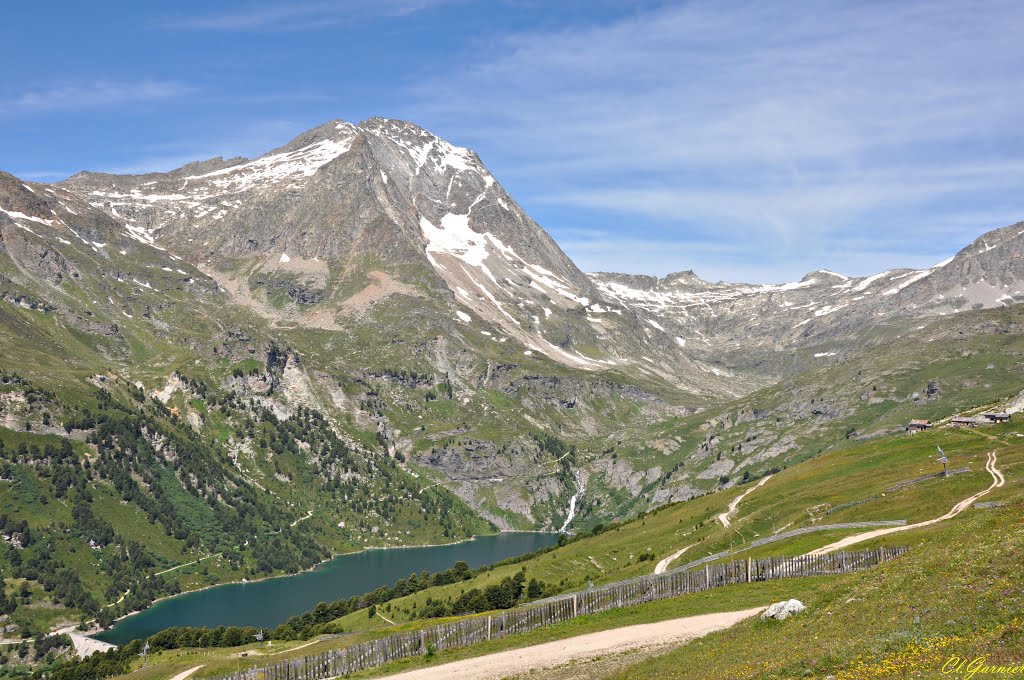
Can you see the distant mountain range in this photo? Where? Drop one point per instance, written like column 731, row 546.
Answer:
column 380, row 275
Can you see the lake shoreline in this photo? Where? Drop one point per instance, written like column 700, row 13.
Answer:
column 322, row 563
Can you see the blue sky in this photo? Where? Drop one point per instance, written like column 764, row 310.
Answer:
column 745, row 140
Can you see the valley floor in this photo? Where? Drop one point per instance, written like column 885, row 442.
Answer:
column 957, row 589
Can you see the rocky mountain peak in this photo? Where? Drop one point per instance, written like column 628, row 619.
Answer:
column 342, row 204
column 823, row 276
column 53, row 213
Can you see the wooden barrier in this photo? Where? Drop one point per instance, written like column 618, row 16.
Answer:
column 360, row 656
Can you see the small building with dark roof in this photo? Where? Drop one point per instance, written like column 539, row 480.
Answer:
column 916, row 426
column 996, row 417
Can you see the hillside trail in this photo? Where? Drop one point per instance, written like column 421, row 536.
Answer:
column 662, row 566
column 724, row 517
column 536, row 658
column 184, row 674
column 167, row 571
column 287, row 650
column 997, row 481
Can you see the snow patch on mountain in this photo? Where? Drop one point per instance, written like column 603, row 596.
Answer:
column 465, row 258
column 200, row 195
column 914, row 276
column 866, row 283
column 272, row 168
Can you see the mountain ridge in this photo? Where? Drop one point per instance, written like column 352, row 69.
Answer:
column 384, row 275
column 394, row 193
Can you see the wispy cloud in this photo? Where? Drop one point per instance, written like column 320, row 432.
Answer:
column 300, row 16
column 43, row 175
column 94, row 95
column 247, row 140
column 778, row 127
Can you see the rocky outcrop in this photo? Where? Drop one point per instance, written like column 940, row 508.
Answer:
column 425, row 214
column 753, row 330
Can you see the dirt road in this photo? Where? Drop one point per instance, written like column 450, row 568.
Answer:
column 553, row 654
column 184, row 674
column 997, row 481
column 724, row 517
column 662, row 566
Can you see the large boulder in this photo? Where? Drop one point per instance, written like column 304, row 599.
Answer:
column 783, row 610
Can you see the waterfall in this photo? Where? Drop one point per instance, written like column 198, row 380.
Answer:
column 577, row 497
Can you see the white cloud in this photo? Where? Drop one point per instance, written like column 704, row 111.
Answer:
column 299, row 16
column 94, row 95
column 249, row 140
column 776, row 127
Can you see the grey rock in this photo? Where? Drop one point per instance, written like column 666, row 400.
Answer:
column 780, row 611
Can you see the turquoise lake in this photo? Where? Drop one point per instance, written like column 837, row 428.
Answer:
column 270, row 602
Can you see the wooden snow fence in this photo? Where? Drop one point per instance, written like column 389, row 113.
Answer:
column 360, row 656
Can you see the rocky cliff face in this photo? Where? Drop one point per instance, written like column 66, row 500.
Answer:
column 386, row 204
column 742, row 324
column 82, row 261
column 428, row 309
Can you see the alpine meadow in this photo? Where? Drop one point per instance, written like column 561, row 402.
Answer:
column 340, row 407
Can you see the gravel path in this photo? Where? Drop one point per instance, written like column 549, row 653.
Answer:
column 724, row 517
column 791, row 534
column 552, row 654
column 662, row 566
column 184, row 674
column 997, row 481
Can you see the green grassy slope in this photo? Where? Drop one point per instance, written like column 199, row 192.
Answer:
column 797, row 497
column 957, row 594
column 959, row 574
column 106, row 492
column 950, row 364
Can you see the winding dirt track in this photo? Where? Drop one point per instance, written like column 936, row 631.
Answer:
column 997, row 481
column 724, row 517
column 662, row 566
column 551, row 654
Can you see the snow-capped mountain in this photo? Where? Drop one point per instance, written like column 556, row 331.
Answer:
column 346, row 218
column 344, row 205
column 380, row 273
column 827, row 310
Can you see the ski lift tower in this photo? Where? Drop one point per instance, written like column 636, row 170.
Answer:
column 145, row 654
column 942, row 459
